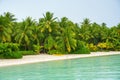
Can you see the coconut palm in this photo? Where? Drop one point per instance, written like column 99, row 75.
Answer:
column 10, row 17
column 6, row 24
column 114, row 37
column 37, row 35
column 48, row 23
column 67, row 38
column 24, row 33
column 85, row 31
column 49, row 27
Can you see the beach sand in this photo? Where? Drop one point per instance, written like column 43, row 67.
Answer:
column 46, row 57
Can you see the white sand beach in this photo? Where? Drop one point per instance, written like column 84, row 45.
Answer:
column 46, row 57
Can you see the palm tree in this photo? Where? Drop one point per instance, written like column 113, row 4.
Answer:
column 37, row 35
column 49, row 27
column 48, row 23
column 95, row 33
column 10, row 17
column 24, row 33
column 85, row 30
column 6, row 24
column 67, row 38
column 114, row 37
column 86, row 22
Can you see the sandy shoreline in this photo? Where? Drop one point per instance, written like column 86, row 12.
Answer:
column 45, row 57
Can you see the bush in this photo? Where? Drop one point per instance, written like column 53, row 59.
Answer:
column 27, row 52
column 102, row 46
column 3, row 48
column 8, row 47
column 81, row 48
column 53, row 52
column 12, row 55
column 13, row 46
column 56, row 52
column 9, row 50
column 105, row 46
column 1, row 56
column 92, row 47
column 117, row 48
column 36, row 48
column 110, row 46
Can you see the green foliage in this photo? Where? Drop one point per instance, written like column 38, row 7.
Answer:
column 92, row 47
column 8, row 47
column 48, row 23
column 36, row 48
column 54, row 52
column 67, row 36
column 6, row 23
column 57, row 51
column 3, row 48
column 12, row 55
column 49, row 42
column 55, row 37
column 102, row 45
column 81, row 48
column 13, row 46
column 28, row 52
column 24, row 32
column 10, row 50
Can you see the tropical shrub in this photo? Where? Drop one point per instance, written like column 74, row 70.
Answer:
column 54, row 52
column 12, row 46
column 109, row 46
column 36, row 48
column 102, row 46
column 12, row 55
column 28, row 52
column 3, row 48
column 105, row 46
column 10, row 50
column 92, row 47
column 81, row 48
column 8, row 47
column 116, row 45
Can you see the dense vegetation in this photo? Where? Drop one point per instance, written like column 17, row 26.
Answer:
column 54, row 36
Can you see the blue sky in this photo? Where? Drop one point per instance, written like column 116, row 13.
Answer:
column 99, row 11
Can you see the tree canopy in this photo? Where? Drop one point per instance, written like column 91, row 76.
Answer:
column 53, row 36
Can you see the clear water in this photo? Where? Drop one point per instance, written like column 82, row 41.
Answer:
column 94, row 68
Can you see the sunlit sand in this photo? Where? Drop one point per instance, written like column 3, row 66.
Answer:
column 46, row 57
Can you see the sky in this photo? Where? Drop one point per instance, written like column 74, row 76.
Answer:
column 99, row 11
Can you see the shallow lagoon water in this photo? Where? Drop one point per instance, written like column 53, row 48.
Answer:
column 92, row 68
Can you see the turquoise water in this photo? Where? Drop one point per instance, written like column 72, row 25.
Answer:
column 94, row 68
